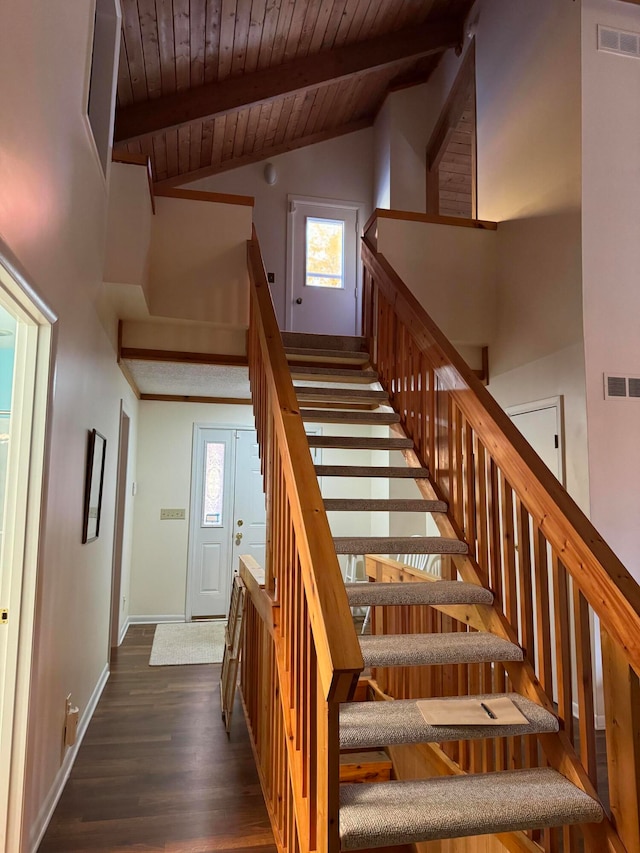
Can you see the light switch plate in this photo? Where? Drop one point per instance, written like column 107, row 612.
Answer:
column 172, row 514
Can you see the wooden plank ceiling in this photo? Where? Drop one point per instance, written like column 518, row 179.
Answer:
column 209, row 85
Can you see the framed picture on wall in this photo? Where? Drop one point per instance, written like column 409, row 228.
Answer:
column 96, row 451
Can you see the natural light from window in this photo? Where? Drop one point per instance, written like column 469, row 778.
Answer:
column 213, row 484
column 324, row 253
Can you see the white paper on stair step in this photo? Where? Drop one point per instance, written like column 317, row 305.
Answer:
column 470, row 712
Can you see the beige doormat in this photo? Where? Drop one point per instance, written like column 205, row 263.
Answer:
column 179, row 643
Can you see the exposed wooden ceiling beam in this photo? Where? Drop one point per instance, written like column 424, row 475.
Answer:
column 264, row 154
column 235, row 93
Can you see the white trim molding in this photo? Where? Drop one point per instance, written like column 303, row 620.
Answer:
column 156, row 619
column 48, row 807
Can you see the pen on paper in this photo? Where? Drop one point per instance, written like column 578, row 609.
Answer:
column 488, row 711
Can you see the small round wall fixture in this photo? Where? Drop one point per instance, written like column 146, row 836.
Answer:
column 270, row 174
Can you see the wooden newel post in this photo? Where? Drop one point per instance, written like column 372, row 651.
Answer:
column 622, row 711
column 328, row 775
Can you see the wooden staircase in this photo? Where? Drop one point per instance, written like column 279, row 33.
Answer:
column 509, row 616
column 394, row 812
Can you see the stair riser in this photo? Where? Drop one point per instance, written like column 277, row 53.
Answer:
column 384, row 545
column 370, row 419
column 371, row 471
column 360, row 443
column 365, row 505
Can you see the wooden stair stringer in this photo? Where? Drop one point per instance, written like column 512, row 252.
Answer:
column 557, row 747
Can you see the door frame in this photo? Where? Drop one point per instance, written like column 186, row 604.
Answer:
column 22, row 542
column 360, row 209
column 556, row 403
column 118, row 529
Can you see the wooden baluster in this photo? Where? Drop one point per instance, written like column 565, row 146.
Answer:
column 493, row 500
column 496, row 583
column 543, row 628
column 543, row 617
column 401, row 373
column 584, row 678
column 527, row 634
column 562, row 622
column 482, row 519
column 622, row 709
column 430, row 420
column 514, row 745
column 470, row 531
column 475, row 759
column 458, row 464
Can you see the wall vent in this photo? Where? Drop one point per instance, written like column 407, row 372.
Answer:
column 618, row 41
column 618, row 387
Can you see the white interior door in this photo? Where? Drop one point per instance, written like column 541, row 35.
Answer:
column 322, row 267
column 211, row 521
column 541, row 424
column 249, row 517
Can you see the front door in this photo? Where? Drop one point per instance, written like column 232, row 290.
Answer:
column 322, row 267
column 249, row 518
column 227, row 516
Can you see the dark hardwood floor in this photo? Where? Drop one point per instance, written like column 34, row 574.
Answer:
column 156, row 771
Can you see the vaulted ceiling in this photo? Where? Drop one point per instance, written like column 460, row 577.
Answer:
column 209, row 85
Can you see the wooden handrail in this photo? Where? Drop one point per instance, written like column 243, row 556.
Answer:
column 531, row 544
column 202, row 195
column 606, row 584
column 431, row 218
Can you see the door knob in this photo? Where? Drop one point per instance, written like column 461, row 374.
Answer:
column 299, row 300
column 238, row 538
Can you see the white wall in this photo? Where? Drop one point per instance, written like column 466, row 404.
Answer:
column 528, row 104
column 160, row 548
column 382, row 157
column 402, row 131
column 159, row 567
column 611, row 258
column 450, row 270
column 340, row 168
column 53, row 217
column 198, row 266
column 128, row 226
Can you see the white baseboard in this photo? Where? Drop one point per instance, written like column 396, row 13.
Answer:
column 123, row 630
column 599, row 720
column 48, row 807
column 156, row 620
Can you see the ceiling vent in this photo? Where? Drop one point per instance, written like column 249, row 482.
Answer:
column 618, row 41
column 621, row 387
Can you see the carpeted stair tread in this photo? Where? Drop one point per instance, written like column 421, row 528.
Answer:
column 375, row 724
column 334, row 374
column 382, row 505
column 305, row 393
column 456, row 806
column 434, row 649
column 393, row 471
column 399, row 545
column 360, row 442
column 323, row 416
column 431, row 592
